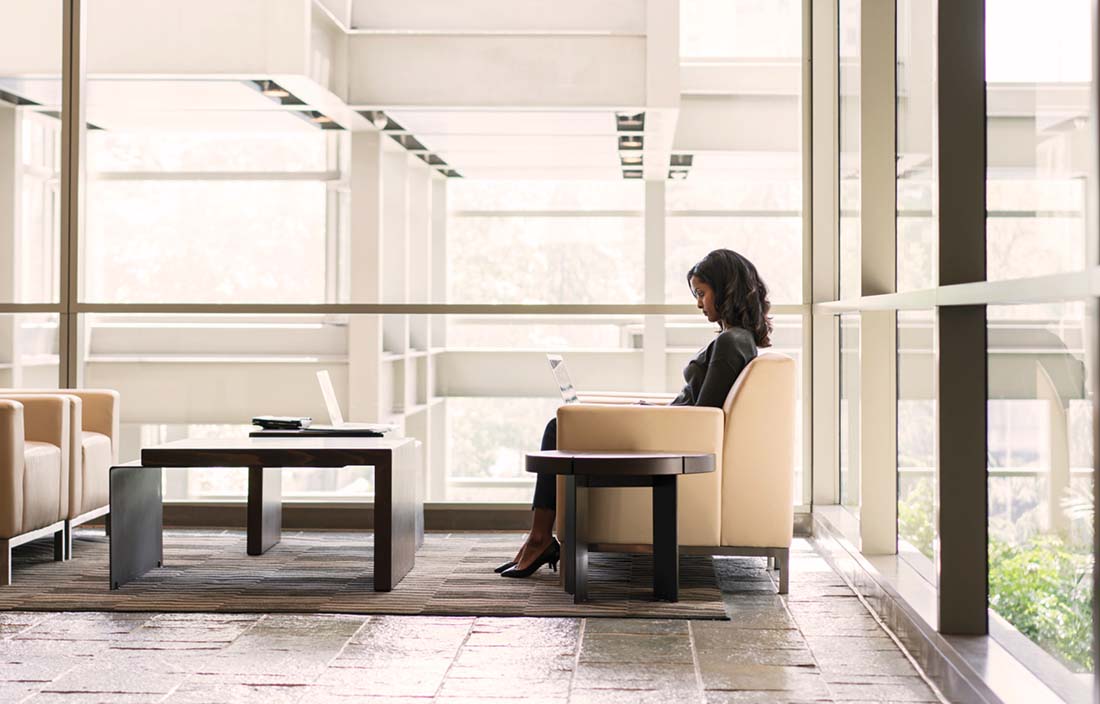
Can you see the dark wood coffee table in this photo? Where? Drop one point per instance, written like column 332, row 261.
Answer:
column 137, row 543
column 592, row 470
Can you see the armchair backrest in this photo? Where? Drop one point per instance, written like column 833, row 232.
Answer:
column 758, row 454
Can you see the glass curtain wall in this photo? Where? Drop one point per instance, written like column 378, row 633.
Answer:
column 30, row 206
column 208, row 185
column 849, row 102
column 917, row 231
column 1041, row 480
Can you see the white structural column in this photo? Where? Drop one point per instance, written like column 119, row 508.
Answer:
column 654, row 338
column 825, row 198
column 878, row 329
column 365, row 271
column 662, row 85
column 437, row 408
column 10, row 160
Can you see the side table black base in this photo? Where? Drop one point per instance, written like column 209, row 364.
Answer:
column 666, row 550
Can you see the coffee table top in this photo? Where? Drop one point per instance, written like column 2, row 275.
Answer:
column 637, row 464
column 272, row 452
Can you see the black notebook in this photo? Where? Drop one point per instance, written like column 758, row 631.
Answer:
column 318, row 432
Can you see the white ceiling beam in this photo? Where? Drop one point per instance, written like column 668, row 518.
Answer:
column 529, row 71
column 200, row 38
column 512, row 16
column 739, row 123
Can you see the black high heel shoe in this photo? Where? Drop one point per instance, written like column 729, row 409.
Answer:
column 549, row 556
column 505, row 566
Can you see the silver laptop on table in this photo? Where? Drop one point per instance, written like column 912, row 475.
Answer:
column 336, row 416
column 561, row 375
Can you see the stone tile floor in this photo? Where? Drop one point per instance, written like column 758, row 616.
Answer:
column 818, row 644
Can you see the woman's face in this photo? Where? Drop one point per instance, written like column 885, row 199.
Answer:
column 704, row 298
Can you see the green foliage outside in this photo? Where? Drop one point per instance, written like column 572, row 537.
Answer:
column 1045, row 591
column 1042, row 587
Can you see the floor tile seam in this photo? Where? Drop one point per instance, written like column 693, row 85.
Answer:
column 700, row 687
column 454, row 658
column 577, row 657
column 889, row 634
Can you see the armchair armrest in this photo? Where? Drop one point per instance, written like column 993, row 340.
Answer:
column 11, row 465
column 100, row 413
column 633, row 427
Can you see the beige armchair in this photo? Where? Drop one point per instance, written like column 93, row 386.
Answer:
column 745, row 507
column 94, row 440
column 34, row 472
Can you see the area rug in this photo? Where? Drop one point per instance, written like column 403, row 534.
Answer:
column 331, row 572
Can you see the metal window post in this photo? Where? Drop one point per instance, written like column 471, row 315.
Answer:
column 72, row 189
column 961, row 486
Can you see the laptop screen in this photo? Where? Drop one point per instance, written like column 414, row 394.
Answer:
column 335, row 417
column 561, row 375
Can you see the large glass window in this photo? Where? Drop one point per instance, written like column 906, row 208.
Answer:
column 1038, row 66
column 916, row 420
column 849, row 87
column 30, row 153
column 761, row 220
column 849, row 410
column 731, row 28
column 545, row 242
column 1041, row 478
column 28, row 350
column 916, row 168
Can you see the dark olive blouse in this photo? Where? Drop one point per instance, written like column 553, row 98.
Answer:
column 711, row 374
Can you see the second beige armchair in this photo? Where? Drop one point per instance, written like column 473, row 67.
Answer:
column 93, row 448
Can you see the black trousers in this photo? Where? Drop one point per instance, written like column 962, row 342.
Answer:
column 546, row 485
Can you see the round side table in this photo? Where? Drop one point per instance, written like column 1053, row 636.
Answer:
column 594, row 470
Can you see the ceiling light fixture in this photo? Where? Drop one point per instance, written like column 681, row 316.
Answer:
column 630, row 143
column 679, row 174
column 632, row 173
column 321, row 119
column 630, row 159
column 273, row 90
column 627, row 122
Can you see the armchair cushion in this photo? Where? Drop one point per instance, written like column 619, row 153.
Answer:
column 41, row 486
column 626, row 515
column 96, row 461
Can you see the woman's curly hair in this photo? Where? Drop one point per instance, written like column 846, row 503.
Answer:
column 739, row 293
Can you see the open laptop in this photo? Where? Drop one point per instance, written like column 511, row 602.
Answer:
column 336, row 416
column 569, row 392
column 338, row 427
column 561, row 375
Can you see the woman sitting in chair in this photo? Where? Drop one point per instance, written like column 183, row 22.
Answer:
column 728, row 290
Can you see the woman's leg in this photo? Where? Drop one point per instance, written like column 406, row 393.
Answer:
column 544, row 506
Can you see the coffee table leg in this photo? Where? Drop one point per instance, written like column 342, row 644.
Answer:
column 137, row 518
column 576, row 537
column 265, row 508
column 569, row 542
column 666, row 557
column 396, row 506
